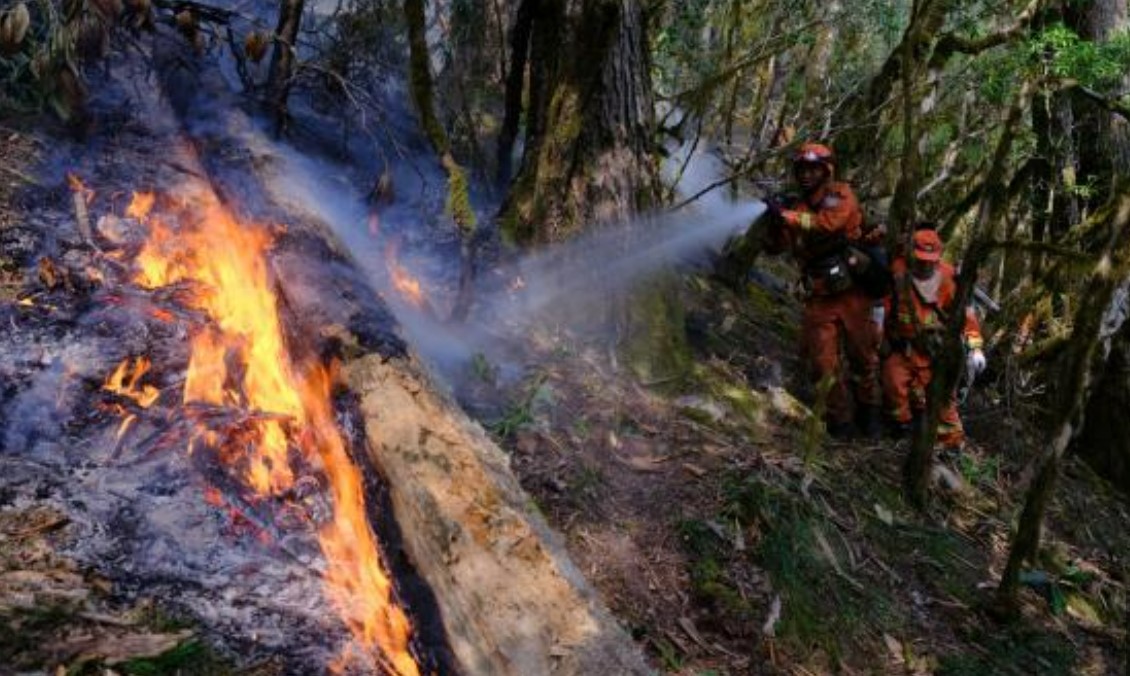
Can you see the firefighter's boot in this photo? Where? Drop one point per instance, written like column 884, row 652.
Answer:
column 868, row 420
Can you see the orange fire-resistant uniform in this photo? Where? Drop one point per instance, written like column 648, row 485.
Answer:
column 917, row 312
column 836, row 311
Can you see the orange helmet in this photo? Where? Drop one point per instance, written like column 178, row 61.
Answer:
column 816, row 153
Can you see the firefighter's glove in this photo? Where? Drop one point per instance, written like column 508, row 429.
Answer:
column 774, row 205
column 975, row 362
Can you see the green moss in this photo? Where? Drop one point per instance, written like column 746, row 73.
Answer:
column 748, row 405
column 656, row 349
column 458, row 196
column 820, row 608
column 420, row 76
column 768, row 309
column 708, row 553
column 540, row 206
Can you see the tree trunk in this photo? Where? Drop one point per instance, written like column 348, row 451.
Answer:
column 1105, row 439
column 420, row 77
column 515, row 82
column 863, row 113
column 588, row 159
column 1054, row 207
column 947, row 368
column 816, row 70
column 282, row 61
column 1104, row 139
column 1104, row 158
column 1072, row 397
column 458, row 197
column 587, row 156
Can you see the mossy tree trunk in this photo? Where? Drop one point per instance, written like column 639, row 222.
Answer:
column 1103, row 137
column 588, row 160
column 519, row 40
column 590, row 122
column 1054, row 208
column 1075, row 386
column 458, row 189
column 947, row 367
column 1104, row 160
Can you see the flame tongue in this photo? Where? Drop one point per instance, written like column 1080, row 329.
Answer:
column 241, row 361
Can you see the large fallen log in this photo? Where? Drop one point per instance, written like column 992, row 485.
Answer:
column 512, row 601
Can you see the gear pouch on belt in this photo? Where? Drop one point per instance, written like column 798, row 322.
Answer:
column 869, row 269
column 828, row 276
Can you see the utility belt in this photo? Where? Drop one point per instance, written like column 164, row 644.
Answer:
column 827, row 276
column 928, row 343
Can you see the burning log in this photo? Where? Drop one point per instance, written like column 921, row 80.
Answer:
column 259, row 422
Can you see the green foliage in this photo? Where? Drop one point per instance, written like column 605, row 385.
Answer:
column 668, row 654
column 1061, row 51
column 708, row 554
column 535, row 400
column 979, row 472
column 677, row 45
column 43, row 70
column 820, row 608
column 516, row 417
column 1017, row 651
column 482, row 369
column 996, row 75
column 190, row 657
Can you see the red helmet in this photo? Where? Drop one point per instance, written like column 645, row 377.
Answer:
column 817, row 153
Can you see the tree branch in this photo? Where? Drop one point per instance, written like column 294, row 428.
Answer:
column 950, row 43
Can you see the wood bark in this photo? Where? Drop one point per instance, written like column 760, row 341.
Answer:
column 1104, row 160
column 512, row 601
column 1104, row 441
column 282, row 60
column 519, row 41
column 591, row 122
column 458, row 197
column 588, row 159
column 420, row 77
column 1104, row 138
column 947, row 367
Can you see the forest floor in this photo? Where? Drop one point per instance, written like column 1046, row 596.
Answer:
column 731, row 537
column 715, row 519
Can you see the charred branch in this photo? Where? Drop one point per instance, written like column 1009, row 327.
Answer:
column 282, row 61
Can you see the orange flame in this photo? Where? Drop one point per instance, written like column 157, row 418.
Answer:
column 118, row 384
column 242, row 361
column 405, row 284
column 141, row 204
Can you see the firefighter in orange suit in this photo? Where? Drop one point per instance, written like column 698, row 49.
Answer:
column 817, row 228
column 918, row 308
